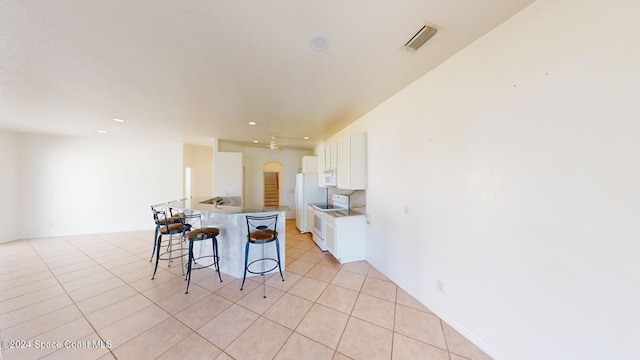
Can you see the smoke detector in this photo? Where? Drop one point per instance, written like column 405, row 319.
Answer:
column 421, row 37
column 319, row 42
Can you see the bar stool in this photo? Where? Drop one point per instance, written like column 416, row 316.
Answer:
column 198, row 235
column 160, row 218
column 170, row 230
column 261, row 230
column 175, row 212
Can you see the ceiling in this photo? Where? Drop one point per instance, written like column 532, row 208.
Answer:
column 192, row 71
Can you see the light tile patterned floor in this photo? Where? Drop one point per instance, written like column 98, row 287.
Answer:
column 96, row 289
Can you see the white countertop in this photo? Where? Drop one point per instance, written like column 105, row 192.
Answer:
column 200, row 204
column 344, row 213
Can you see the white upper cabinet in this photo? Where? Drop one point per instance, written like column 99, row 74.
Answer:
column 352, row 162
column 331, row 156
column 334, row 156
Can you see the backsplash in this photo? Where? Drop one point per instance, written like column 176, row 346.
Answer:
column 357, row 198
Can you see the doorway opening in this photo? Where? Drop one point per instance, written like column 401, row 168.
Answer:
column 272, row 183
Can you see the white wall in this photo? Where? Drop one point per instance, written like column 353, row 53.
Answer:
column 200, row 160
column 78, row 185
column 9, row 185
column 227, row 174
column 254, row 161
column 517, row 160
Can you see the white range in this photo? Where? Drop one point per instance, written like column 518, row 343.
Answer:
column 317, row 222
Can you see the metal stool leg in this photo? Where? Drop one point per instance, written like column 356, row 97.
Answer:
column 169, row 249
column 216, row 258
column 264, row 285
column 155, row 236
column 182, row 254
column 246, row 260
column 278, row 253
column 189, row 266
column 157, row 247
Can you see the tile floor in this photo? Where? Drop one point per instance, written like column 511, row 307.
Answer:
column 95, row 293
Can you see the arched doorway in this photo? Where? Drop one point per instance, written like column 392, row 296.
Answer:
column 272, row 175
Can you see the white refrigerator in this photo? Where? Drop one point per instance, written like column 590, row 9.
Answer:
column 307, row 192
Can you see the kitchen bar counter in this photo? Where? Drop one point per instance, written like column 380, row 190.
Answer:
column 228, row 206
column 231, row 220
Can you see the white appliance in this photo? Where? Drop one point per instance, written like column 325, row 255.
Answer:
column 339, row 203
column 307, row 191
column 329, row 178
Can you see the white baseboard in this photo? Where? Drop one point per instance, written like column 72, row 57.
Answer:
column 468, row 334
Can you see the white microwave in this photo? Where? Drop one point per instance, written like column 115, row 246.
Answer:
column 329, row 178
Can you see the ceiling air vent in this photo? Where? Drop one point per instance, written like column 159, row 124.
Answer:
column 420, row 38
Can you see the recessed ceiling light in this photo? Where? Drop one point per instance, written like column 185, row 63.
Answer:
column 319, row 42
column 251, row 123
column 102, row 131
column 118, row 120
column 255, row 141
column 306, row 138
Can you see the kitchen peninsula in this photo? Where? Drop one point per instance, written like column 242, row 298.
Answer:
column 230, row 217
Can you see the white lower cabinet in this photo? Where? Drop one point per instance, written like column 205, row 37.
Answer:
column 345, row 237
column 310, row 216
column 330, row 235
